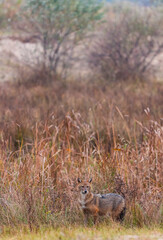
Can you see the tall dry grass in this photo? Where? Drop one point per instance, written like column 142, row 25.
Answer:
column 51, row 135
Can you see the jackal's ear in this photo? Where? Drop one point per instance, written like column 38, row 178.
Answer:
column 79, row 180
column 90, row 180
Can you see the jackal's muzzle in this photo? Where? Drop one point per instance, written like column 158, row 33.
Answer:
column 84, row 192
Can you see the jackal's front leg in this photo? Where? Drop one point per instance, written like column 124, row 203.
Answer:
column 95, row 219
column 85, row 219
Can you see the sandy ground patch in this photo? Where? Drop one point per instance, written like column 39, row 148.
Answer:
column 136, row 237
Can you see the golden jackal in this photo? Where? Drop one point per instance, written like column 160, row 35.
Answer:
column 110, row 204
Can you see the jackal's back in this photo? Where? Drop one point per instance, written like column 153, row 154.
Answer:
column 111, row 203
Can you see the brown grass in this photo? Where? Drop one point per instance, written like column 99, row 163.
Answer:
column 51, row 135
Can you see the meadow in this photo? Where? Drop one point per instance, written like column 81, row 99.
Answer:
column 102, row 232
column 54, row 129
column 52, row 135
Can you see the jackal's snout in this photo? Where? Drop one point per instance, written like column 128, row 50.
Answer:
column 84, row 192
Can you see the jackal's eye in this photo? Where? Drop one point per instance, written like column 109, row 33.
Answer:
column 87, row 186
column 82, row 186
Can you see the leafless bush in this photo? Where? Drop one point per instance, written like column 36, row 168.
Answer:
column 128, row 43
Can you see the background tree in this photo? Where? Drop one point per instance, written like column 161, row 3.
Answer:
column 58, row 25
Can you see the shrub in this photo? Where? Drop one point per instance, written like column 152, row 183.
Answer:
column 128, row 44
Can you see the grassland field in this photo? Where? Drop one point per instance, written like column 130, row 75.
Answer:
column 101, row 232
column 54, row 129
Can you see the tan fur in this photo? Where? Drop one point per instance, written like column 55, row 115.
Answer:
column 98, row 205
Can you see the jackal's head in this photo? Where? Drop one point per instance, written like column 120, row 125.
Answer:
column 84, row 187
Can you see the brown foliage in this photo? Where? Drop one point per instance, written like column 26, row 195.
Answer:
column 51, row 135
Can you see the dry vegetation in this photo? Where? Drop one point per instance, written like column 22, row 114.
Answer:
column 51, row 135
column 54, row 130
